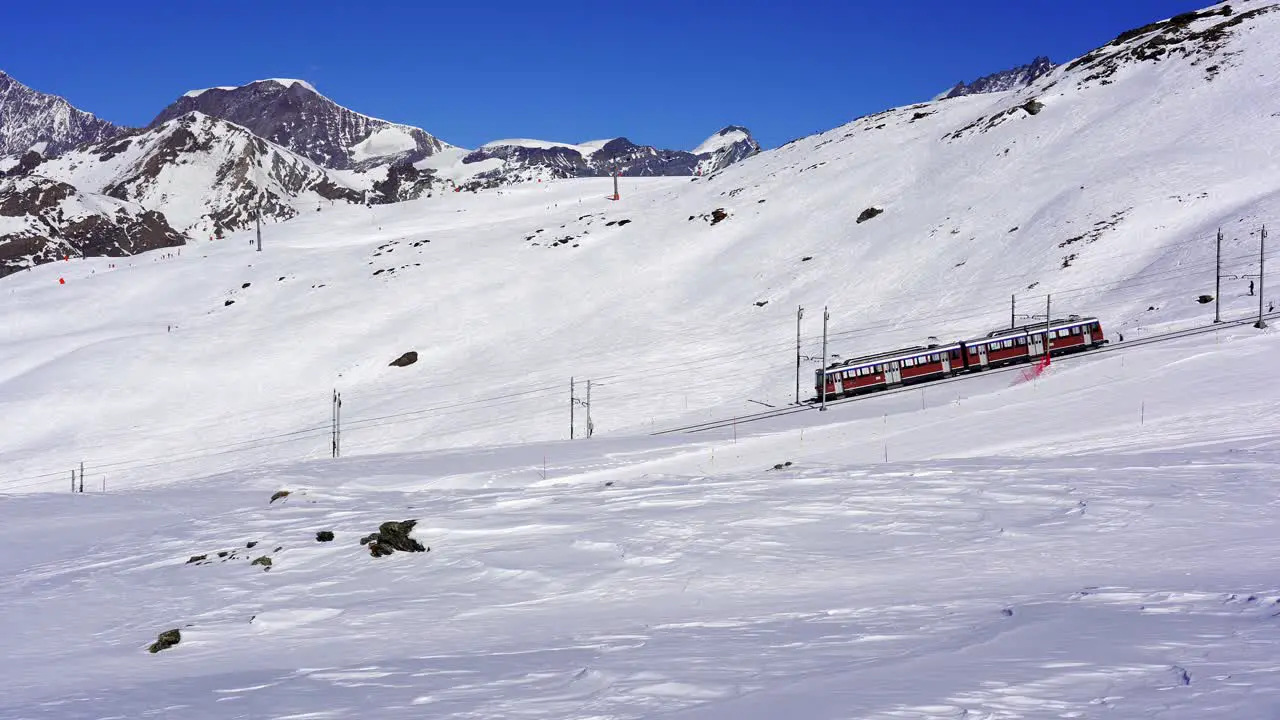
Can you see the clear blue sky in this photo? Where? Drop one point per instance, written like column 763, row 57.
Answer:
column 663, row 72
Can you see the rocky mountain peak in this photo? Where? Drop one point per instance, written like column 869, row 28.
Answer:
column 1011, row 79
column 292, row 114
column 48, row 124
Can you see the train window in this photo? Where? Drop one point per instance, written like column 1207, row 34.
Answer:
column 909, row 362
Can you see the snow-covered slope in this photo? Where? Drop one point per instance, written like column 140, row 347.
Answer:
column 1093, row 543
column 48, row 124
column 978, row 558
column 292, row 114
column 1108, row 197
column 42, row 220
column 203, row 173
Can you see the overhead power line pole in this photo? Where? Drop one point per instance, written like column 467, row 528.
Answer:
column 1013, row 310
column 81, row 476
column 1047, row 322
column 1217, row 282
column 1262, row 259
column 337, row 424
column 572, row 402
column 590, row 428
column 822, row 372
column 799, row 314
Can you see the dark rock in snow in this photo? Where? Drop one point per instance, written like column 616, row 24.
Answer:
column 264, row 561
column 406, row 359
column 279, row 494
column 392, row 536
column 717, row 215
column 868, row 214
column 166, row 640
column 324, row 536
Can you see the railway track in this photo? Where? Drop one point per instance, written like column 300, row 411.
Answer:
column 810, row 407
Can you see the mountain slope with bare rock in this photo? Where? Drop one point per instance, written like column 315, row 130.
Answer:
column 43, row 220
column 292, row 114
column 32, row 120
column 206, row 175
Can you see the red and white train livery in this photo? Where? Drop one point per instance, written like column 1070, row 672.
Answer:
column 920, row 364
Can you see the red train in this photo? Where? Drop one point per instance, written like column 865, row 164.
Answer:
column 920, row 364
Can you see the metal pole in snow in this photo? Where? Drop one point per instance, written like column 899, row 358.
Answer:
column 1013, row 309
column 799, row 314
column 823, row 372
column 81, row 476
column 1262, row 259
column 1217, row 283
column 572, row 401
column 259, row 223
column 590, row 429
column 73, row 479
column 1047, row 323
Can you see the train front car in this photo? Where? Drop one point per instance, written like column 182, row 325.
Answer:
column 1020, row 344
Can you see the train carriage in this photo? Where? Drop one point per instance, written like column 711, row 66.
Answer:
column 1020, row 344
column 905, row 366
column 920, row 364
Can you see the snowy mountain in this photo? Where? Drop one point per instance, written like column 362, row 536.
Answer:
column 1095, row 541
column 292, row 114
column 204, row 174
column 1003, row 81
column 32, row 120
column 42, row 220
column 730, row 145
column 506, row 161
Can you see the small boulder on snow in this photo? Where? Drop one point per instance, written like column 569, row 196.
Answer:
column 166, row 640
column 406, row 359
column 868, row 214
column 392, row 536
